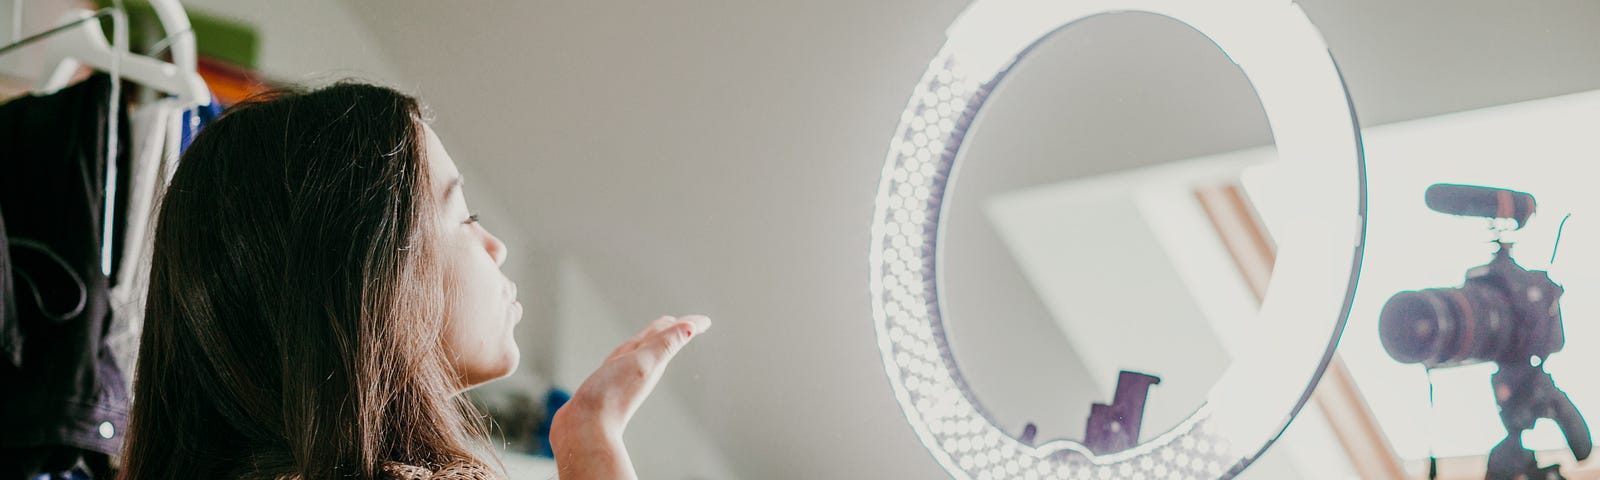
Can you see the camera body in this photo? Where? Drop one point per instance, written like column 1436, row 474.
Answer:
column 1502, row 313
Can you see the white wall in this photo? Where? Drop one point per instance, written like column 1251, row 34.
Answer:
column 308, row 41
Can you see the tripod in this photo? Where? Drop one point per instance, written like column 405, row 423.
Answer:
column 1526, row 393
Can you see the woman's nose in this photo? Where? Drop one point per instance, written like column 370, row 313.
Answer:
column 496, row 248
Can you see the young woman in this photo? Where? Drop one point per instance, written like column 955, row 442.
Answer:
column 320, row 295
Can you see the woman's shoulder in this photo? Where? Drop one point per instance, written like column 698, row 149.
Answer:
column 403, row 471
column 452, row 471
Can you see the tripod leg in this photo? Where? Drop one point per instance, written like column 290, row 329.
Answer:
column 1509, row 461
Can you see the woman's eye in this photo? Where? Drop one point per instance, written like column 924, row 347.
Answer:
column 472, row 219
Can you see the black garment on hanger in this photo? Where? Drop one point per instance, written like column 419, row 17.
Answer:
column 61, row 393
column 10, row 332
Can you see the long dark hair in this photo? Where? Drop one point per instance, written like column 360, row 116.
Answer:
column 295, row 314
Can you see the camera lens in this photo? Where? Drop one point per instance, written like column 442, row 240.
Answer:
column 1444, row 327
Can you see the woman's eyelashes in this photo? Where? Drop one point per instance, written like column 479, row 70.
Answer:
column 471, row 219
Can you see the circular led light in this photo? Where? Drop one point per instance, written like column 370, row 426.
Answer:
column 1318, row 257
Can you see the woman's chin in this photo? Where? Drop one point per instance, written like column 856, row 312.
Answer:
column 513, row 358
column 506, row 366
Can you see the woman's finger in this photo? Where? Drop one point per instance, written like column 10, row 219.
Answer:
column 663, row 345
column 651, row 358
column 632, row 343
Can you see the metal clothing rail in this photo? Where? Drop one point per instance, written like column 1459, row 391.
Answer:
column 98, row 14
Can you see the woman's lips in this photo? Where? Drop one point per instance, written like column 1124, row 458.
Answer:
column 516, row 305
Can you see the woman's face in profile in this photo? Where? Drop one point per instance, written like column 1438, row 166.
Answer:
column 482, row 304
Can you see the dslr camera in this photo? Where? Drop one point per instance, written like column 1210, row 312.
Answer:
column 1502, row 313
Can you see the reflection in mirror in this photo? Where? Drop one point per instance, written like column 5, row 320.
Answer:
column 1087, row 233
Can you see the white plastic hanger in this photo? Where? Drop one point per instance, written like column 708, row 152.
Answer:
column 86, row 44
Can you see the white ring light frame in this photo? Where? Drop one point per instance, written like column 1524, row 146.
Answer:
column 1308, row 300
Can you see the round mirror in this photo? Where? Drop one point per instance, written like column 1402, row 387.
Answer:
column 1086, row 231
column 1116, row 238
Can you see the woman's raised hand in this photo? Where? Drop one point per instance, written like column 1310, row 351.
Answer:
column 586, row 433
